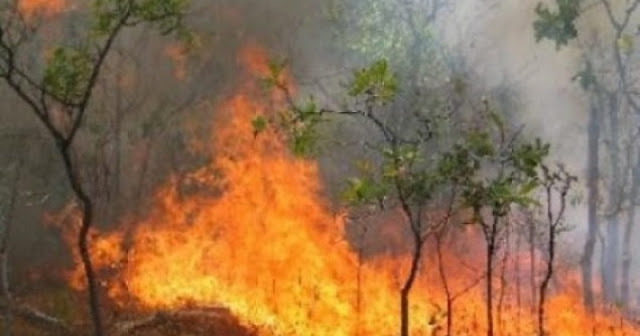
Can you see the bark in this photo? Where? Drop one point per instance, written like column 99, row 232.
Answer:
column 490, row 254
column 554, row 223
column 518, row 285
column 544, row 285
column 628, row 232
column 82, row 242
column 612, row 252
column 611, row 257
column 408, row 284
column 359, row 277
column 445, row 285
column 117, row 148
column 532, row 264
column 586, row 261
column 491, row 237
column 503, row 280
column 4, row 247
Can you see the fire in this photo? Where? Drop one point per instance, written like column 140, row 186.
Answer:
column 264, row 242
column 30, row 8
column 177, row 53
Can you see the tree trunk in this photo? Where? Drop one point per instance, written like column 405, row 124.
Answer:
column 503, row 280
column 547, row 276
column 4, row 248
column 628, row 232
column 532, row 263
column 406, row 288
column 612, row 250
column 593, row 159
column 518, row 285
column 82, row 240
column 611, row 257
column 115, row 209
column 491, row 237
column 445, row 285
column 490, row 253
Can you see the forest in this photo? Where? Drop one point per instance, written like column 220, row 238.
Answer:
column 328, row 168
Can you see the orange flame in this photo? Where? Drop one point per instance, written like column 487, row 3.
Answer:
column 31, row 8
column 178, row 55
column 264, row 242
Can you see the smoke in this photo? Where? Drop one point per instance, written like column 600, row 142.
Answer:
column 494, row 39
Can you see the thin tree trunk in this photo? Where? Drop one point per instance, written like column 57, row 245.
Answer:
column 117, row 148
column 532, row 264
column 593, row 159
column 628, row 232
column 82, row 239
column 503, row 280
column 612, row 255
column 406, row 288
column 4, row 248
column 445, row 285
column 551, row 246
column 518, row 285
column 491, row 236
column 359, row 278
column 612, row 251
column 490, row 289
column 545, row 284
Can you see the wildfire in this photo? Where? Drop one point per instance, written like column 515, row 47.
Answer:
column 178, row 55
column 266, row 245
column 30, row 8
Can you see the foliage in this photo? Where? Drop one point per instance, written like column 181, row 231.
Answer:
column 412, row 175
column 515, row 164
column 375, row 80
column 69, row 79
column 68, row 73
column 166, row 15
column 559, row 25
column 585, row 77
column 401, row 32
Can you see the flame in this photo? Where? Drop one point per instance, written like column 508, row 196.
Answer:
column 264, row 242
column 31, row 8
column 177, row 53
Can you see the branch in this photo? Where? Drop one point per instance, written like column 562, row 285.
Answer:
column 620, row 66
column 102, row 55
column 36, row 317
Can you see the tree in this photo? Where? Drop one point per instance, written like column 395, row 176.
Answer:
column 559, row 183
column 503, row 174
column 418, row 169
column 606, row 79
column 61, row 94
column 404, row 178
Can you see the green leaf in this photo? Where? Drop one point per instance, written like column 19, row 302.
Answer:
column 259, row 124
column 364, row 190
column 67, row 73
column 528, row 187
column 376, row 82
column 558, row 25
column 625, row 44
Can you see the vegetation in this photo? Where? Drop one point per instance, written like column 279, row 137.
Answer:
column 145, row 124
